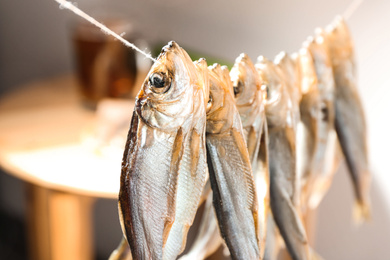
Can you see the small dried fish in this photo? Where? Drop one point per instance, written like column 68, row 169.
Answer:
column 326, row 157
column 231, row 178
column 164, row 163
column 250, row 100
column 350, row 122
column 283, row 187
column 308, row 136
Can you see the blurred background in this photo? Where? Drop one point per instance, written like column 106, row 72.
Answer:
column 37, row 45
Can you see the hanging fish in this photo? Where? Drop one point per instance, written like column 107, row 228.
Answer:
column 284, row 192
column 208, row 238
column 164, row 163
column 231, row 178
column 326, row 157
column 349, row 120
column 249, row 97
column 310, row 116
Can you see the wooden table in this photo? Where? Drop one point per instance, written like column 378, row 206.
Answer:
column 45, row 141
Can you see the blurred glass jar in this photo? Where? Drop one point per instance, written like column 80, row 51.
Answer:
column 105, row 67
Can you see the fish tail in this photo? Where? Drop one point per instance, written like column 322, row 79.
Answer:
column 361, row 212
column 315, row 255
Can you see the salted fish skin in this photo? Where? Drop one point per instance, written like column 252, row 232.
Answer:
column 284, row 192
column 163, row 121
column 349, row 116
column 231, row 178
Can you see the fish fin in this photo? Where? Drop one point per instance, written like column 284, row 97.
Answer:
column 122, row 252
column 174, row 168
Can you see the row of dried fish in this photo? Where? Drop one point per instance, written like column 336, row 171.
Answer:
column 259, row 144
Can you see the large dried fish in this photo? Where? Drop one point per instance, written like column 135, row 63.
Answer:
column 350, row 122
column 208, row 238
column 232, row 182
column 249, row 99
column 283, row 187
column 164, row 163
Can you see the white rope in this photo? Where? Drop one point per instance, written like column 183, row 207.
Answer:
column 352, row 8
column 105, row 29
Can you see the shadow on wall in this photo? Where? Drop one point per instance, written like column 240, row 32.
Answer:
column 338, row 238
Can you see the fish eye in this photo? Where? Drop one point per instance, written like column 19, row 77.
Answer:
column 159, row 82
column 324, row 112
column 209, row 103
column 238, row 88
column 265, row 90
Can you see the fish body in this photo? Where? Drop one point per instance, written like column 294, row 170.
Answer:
column 250, row 98
column 164, row 163
column 350, row 120
column 284, row 192
column 231, row 178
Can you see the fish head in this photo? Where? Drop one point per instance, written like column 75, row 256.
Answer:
column 310, row 105
column 289, row 68
column 247, row 89
column 167, row 96
column 203, row 74
column 339, row 38
column 277, row 97
column 308, row 77
column 319, row 50
column 221, row 100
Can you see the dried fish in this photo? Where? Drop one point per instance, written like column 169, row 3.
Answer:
column 164, row 163
column 208, row 238
column 325, row 157
column 232, row 182
column 250, row 99
column 283, row 187
column 308, row 136
column 350, row 121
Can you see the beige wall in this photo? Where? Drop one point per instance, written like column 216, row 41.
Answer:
column 34, row 43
